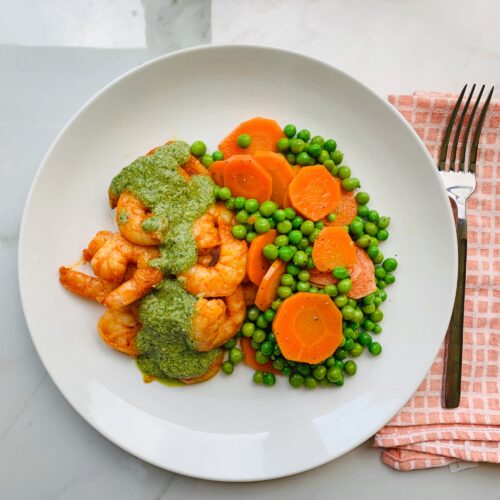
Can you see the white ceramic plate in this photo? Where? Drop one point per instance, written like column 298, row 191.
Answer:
column 229, row 428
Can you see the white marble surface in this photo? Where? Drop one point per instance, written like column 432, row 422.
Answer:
column 53, row 56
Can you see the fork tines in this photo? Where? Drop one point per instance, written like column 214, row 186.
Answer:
column 471, row 166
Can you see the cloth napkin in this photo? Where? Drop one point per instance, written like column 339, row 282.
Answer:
column 423, row 434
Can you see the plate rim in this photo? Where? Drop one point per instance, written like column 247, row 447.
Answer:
column 210, row 47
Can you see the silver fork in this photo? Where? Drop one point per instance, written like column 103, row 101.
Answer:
column 460, row 182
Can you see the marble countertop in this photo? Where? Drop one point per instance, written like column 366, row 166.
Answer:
column 53, row 56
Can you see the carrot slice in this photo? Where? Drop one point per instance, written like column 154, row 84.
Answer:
column 287, row 202
column 346, row 210
column 257, row 264
column 362, row 276
column 333, row 248
column 280, row 171
column 263, row 132
column 321, row 279
column 268, row 289
column 314, row 193
column 217, row 172
column 245, row 177
column 249, row 358
column 308, row 327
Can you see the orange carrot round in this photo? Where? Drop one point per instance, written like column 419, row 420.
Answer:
column 321, row 278
column 280, row 171
column 346, row 210
column 257, row 264
column 308, row 327
column 287, row 202
column 314, row 193
column 362, row 276
column 268, row 289
column 249, row 358
column 217, row 172
column 264, row 134
column 245, row 177
column 333, row 248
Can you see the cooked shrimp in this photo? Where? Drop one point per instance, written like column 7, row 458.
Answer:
column 249, row 293
column 222, row 279
column 84, row 285
column 215, row 321
column 211, row 372
column 130, row 215
column 194, row 167
column 118, row 328
column 205, row 228
column 97, row 242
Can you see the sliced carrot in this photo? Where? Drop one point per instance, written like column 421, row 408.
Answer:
column 268, row 289
column 280, row 171
column 217, row 172
column 257, row 264
column 249, row 358
column 321, row 279
column 287, row 202
column 333, row 248
column 308, row 327
column 263, row 132
column 362, row 276
column 314, row 193
column 346, row 210
column 245, row 177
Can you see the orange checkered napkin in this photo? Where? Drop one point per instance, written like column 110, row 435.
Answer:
column 423, row 434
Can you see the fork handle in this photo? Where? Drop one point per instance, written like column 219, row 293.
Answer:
column 453, row 370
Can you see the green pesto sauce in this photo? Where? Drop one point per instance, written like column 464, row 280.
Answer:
column 175, row 203
column 162, row 342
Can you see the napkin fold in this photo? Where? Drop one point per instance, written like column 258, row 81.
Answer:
column 423, row 434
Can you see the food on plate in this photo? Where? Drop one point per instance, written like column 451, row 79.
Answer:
column 263, row 253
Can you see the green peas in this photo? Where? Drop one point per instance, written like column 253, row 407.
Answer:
column 262, row 359
column 244, row 141
column 382, row 234
column 235, row 355
column 348, row 345
column 292, row 269
column 383, row 222
column 206, row 160
column 375, row 348
column 239, row 203
column 303, row 286
column 331, row 290
column 390, row 278
column 287, row 279
column 356, row 350
column 290, row 213
column 224, row 194
column 198, row 148
column 370, row 228
column 368, row 325
column 251, row 205
column 303, row 159
column 241, row 216
column 279, row 215
column 324, row 157
column 283, row 145
column 258, row 377
column 351, row 302
column 311, row 382
column 347, row 312
column 304, row 276
column 290, row 130
column 340, row 273
column 344, row 172
column 296, row 380
column 304, row 134
column 373, row 216
column 268, row 208
column 350, row 367
column 269, row 315
column 281, row 240
column 344, row 286
column 381, row 284
column 297, row 221
column 380, row 272
column 319, row 372
column 313, row 150
column 227, row 367
column 253, row 313
column 275, row 305
column 377, row 316
column 261, row 322
column 279, row 364
column 307, row 227
column 308, row 250
column 390, row 264
column 251, row 236
column 259, row 336
column 356, row 228
column 331, row 217
column 334, row 374
column 313, row 289
column 330, row 166
column 229, row 204
column 372, row 251
column 300, row 258
column 350, row 184
column 262, row 225
column 330, row 145
column 248, row 329
column 297, row 146
column 364, row 339
column 363, row 211
column 363, row 241
column 304, row 369
column 383, row 295
column 337, row 156
column 377, row 301
column 218, row 155
column 314, row 235
column 286, row 371
column 284, row 227
column 341, row 301
column 310, row 263
column 285, row 253
column 239, row 231
column 317, row 139
column 369, row 308
column 254, row 344
column 362, row 198
column 284, row 292
column 291, row 158
column 378, row 258
column 230, row 344
column 269, row 379
column 295, row 236
column 319, row 225
column 266, row 348
column 377, row 329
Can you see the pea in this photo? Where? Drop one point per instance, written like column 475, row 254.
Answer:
column 261, row 322
column 310, row 382
column 266, row 348
column 347, row 312
column 377, row 301
column 308, row 250
column 251, row 205
column 198, row 148
column 297, row 221
column 390, row 264
column 381, row 284
column 310, row 263
column 337, row 156
column 254, row 344
column 340, row 273
column 286, row 371
column 244, row 141
column 297, row 146
column 258, row 377
column 350, row 367
column 303, row 159
column 364, row 339
column 206, row 160
column 372, row 251
column 344, row 172
column 300, row 259
column 350, row 184
column 314, row 235
column 363, row 241
column 334, row 374
column 283, row 145
column 363, row 211
column 369, row 308
column 281, row 240
column 304, row 276
column 276, row 304
column 324, row 157
column 292, row 269
column 377, row 329
column 269, row 379
column 377, row 316
column 227, row 367
column 329, row 145
column 290, row 130
column 348, row 345
column 331, row 290
column 330, row 166
column 370, row 228
column 313, row 150
column 378, row 258
column 224, row 194
column 250, row 236
column 241, row 216
column 368, row 325
column 294, row 236
column 239, row 231
column 344, row 286
column 356, row 228
column 356, row 350
column 382, row 234
column 291, row 158
column 375, row 348
column 374, row 241
column 373, row 216
column 287, row 279
column 262, row 225
column 331, row 217
column 284, row 227
column 285, row 253
column 284, row 292
column 279, row 215
column 383, row 222
column 362, row 198
column 279, row 364
column 303, row 286
column 383, row 295
column 296, row 380
column 380, row 272
column 268, row 208
column 247, row 329
column 304, row 134
column 218, row 155
column 307, row 227
column 313, row 289
column 390, row 278
column 340, row 300
column 235, row 355
column 261, row 358
column 259, row 336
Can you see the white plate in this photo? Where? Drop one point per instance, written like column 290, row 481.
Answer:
column 229, row 428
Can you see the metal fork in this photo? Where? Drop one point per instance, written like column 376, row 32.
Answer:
column 460, row 182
